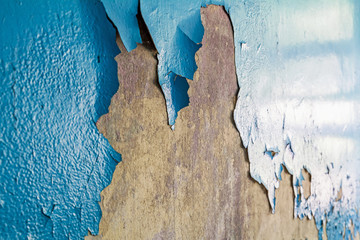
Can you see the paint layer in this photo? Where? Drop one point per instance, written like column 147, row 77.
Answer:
column 57, row 77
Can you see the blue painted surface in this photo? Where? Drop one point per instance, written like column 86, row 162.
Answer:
column 297, row 66
column 57, row 77
column 176, row 29
column 123, row 14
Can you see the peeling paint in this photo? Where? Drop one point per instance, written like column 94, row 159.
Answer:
column 176, row 29
column 299, row 94
column 57, row 77
column 298, row 104
column 194, row 182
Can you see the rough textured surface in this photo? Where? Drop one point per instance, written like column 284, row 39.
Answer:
column 191, row 183
column 57, row 76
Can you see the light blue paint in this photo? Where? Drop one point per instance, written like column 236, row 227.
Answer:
column 57, row 77
column 298, row 65
column 176, row 29
column 299, row 92
column 123, row 14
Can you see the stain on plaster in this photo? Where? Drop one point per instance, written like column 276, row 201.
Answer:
column 57, row 77
column 298, row 104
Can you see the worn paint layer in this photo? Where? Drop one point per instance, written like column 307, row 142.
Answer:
column 57, row 77
column 298, row 106
column 191, row 183
column 299, row 100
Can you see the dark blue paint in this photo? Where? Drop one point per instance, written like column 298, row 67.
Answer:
column 179, row 88
column 57, row 77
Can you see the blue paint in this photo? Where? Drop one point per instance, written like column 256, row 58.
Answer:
column 179, row 87
column 57, row 77
column 123, row 14
column 176, row 29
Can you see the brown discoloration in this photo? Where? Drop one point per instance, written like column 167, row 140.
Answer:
column 306, row 183
column 191, row 183
column 339, row 195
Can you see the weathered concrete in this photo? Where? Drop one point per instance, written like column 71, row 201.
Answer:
column 191, row 183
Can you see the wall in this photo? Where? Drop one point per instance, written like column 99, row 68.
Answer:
column 191, row 183
column 297, row 110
